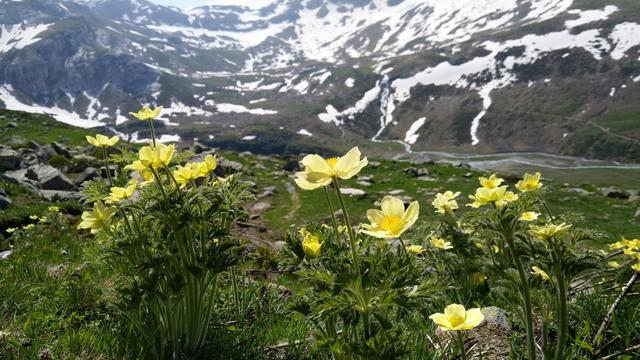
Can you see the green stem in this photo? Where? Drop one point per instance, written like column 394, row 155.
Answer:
column 562, row 312
column 403, row 247
column 352, row 236
column 153, row 133
column 106, row 165
column 463, row 353
column 524, row 286
column 333, row 215
column 155, row 175
column 234, row 287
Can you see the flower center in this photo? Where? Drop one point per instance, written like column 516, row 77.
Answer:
column 456, row 320
column 392, row 224
column 332, row 162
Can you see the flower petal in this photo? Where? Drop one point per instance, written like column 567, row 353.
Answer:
column 473, row 318
column 375, row 216
column 315, row 163
column 392, row 206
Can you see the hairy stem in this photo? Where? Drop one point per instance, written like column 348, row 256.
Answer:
column 463, row 353
column 524, row 287
column 352, row 236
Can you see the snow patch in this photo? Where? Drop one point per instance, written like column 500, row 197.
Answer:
column 411, row 136
column 304, row 132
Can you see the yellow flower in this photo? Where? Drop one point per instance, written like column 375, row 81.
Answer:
column 495, row 248
column 54, row 209
column 478, row 279
column 122, row 193
column 393, row 220
column 445, row 202
column 319, row 172
column 541, row 273
column 456, row 318
column 11, row 230
column 529, row 216
column 42, row 220
column 415, row 249
column 492, row 182
column 479, row 245
column 498, row 196
column 547, row 231
column 102, row 141
column 311, row 244
column 210, row 163
column 187, row 173
column 33, row 217
column 97, row 218
column 147, row 114
column 28, row 227
column 529, row 182
column 156, row 157
column 636, row 267
column 440, row 243
column 613, row 264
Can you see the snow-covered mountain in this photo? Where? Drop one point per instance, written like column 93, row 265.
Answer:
column 485, row 75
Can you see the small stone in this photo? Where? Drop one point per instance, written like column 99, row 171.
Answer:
column 60, row 195
column 396, row 192
column 353, row 192
column 268, row 191
column 374, row 164
column 363, row 183
column 416, row 172
column 260, row 207
column 467, row 175
column 637, row 214
column 420, row 159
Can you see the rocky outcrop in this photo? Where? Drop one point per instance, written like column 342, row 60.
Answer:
column 9, row 159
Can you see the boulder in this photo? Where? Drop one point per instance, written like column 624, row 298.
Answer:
column 87, row 174
column 46, row 152
column 615, row 193
column 61, row 150
column 416, row 172
column 51, row 178
column 9, row 159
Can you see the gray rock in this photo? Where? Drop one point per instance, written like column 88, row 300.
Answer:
column 61, row 150
column 396, row 192
column 358, row 193
column 46, row 152
column 420, row 159
column 260, row 207
column 615, row 193
column 368, row 179
column 363, row 183
column 5, row 202
column 199, row 148
column 374, row 164
column 19, row 177
column 637, row 214
column 51, row 178
column 33, row 145
column 227, row 167
column 578, row 191
column 16, row 140
column 426, row 178
column 87, row 174
column 268, row 191
column 5, row 254
column 9, row 159
column 60, row 195
column 416, row 172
